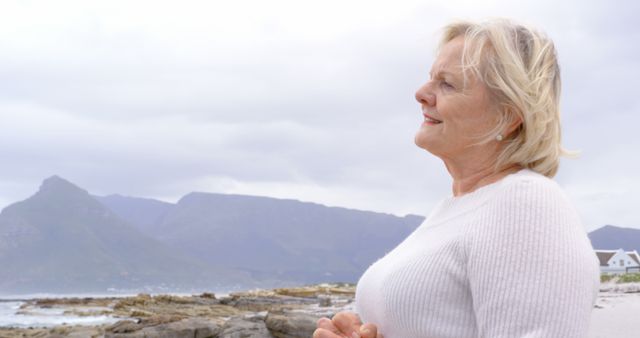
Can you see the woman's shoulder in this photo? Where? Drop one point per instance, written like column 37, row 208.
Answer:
column 521, row 191
column 528, row 191
column 527, row 182
column 528, row 205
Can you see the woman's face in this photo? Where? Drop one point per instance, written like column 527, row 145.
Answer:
column 455, row 115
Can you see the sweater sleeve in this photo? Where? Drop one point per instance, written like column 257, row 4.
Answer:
column 532, row 270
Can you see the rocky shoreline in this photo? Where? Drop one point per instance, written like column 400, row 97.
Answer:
column 277, row 313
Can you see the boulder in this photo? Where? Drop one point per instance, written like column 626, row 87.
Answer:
column 290, row 324
column 185, row 328
column 245, row 327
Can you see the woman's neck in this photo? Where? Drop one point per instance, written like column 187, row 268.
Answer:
column 466, row 180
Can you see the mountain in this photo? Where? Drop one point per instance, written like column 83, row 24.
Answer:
column 280, row 238
column 63, row 240
column 611, row 237
column 143, row 213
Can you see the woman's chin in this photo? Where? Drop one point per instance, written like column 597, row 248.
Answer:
column 423, row 141
column 423, row 137
column 432, row 143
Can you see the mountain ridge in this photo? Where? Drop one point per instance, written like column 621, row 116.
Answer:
column 611, row 237
column 63, row 238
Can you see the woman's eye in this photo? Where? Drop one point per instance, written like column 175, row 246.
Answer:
column 446, row 85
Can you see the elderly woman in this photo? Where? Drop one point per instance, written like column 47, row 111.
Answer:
column 506, row 255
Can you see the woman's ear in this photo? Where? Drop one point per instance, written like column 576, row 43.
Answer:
column 514, row 120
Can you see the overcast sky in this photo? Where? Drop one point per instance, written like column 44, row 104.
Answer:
column 312, row 100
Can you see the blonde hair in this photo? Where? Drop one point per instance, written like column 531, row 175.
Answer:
column 520, row 68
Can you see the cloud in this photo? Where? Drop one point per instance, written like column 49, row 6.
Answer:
column 285, row 98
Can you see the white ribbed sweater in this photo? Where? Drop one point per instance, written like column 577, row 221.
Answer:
column 510, row 259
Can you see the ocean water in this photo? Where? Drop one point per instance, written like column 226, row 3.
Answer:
column 50, row 317
column 44, row 317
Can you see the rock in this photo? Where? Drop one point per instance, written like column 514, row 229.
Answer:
column 277, row 313
column 143, row 306
column 44, row 302
column 140, row 299
column 76, row 331
column 159, row 319
column 128, row 326
column 315, row 290
column 240, row 327
column 324, row 301
column 290, row 324
column 185, row 328
column 209, row 295
column 136, row 334
column 248, row 302
column 123, row 326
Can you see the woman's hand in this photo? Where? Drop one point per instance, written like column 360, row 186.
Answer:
column 345, row 325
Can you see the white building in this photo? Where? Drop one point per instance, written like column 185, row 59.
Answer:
column 618, row 261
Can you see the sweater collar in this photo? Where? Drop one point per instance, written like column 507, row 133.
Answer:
column 453, row 206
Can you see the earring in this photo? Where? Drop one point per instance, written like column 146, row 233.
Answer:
column 499, row 137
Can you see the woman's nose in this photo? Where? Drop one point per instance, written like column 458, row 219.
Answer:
column 424, row 95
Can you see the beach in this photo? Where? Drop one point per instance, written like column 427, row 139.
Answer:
column 616, row 315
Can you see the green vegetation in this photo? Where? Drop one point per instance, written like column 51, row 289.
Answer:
column 629, row 278
column 620, row 278
column 605, row 277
